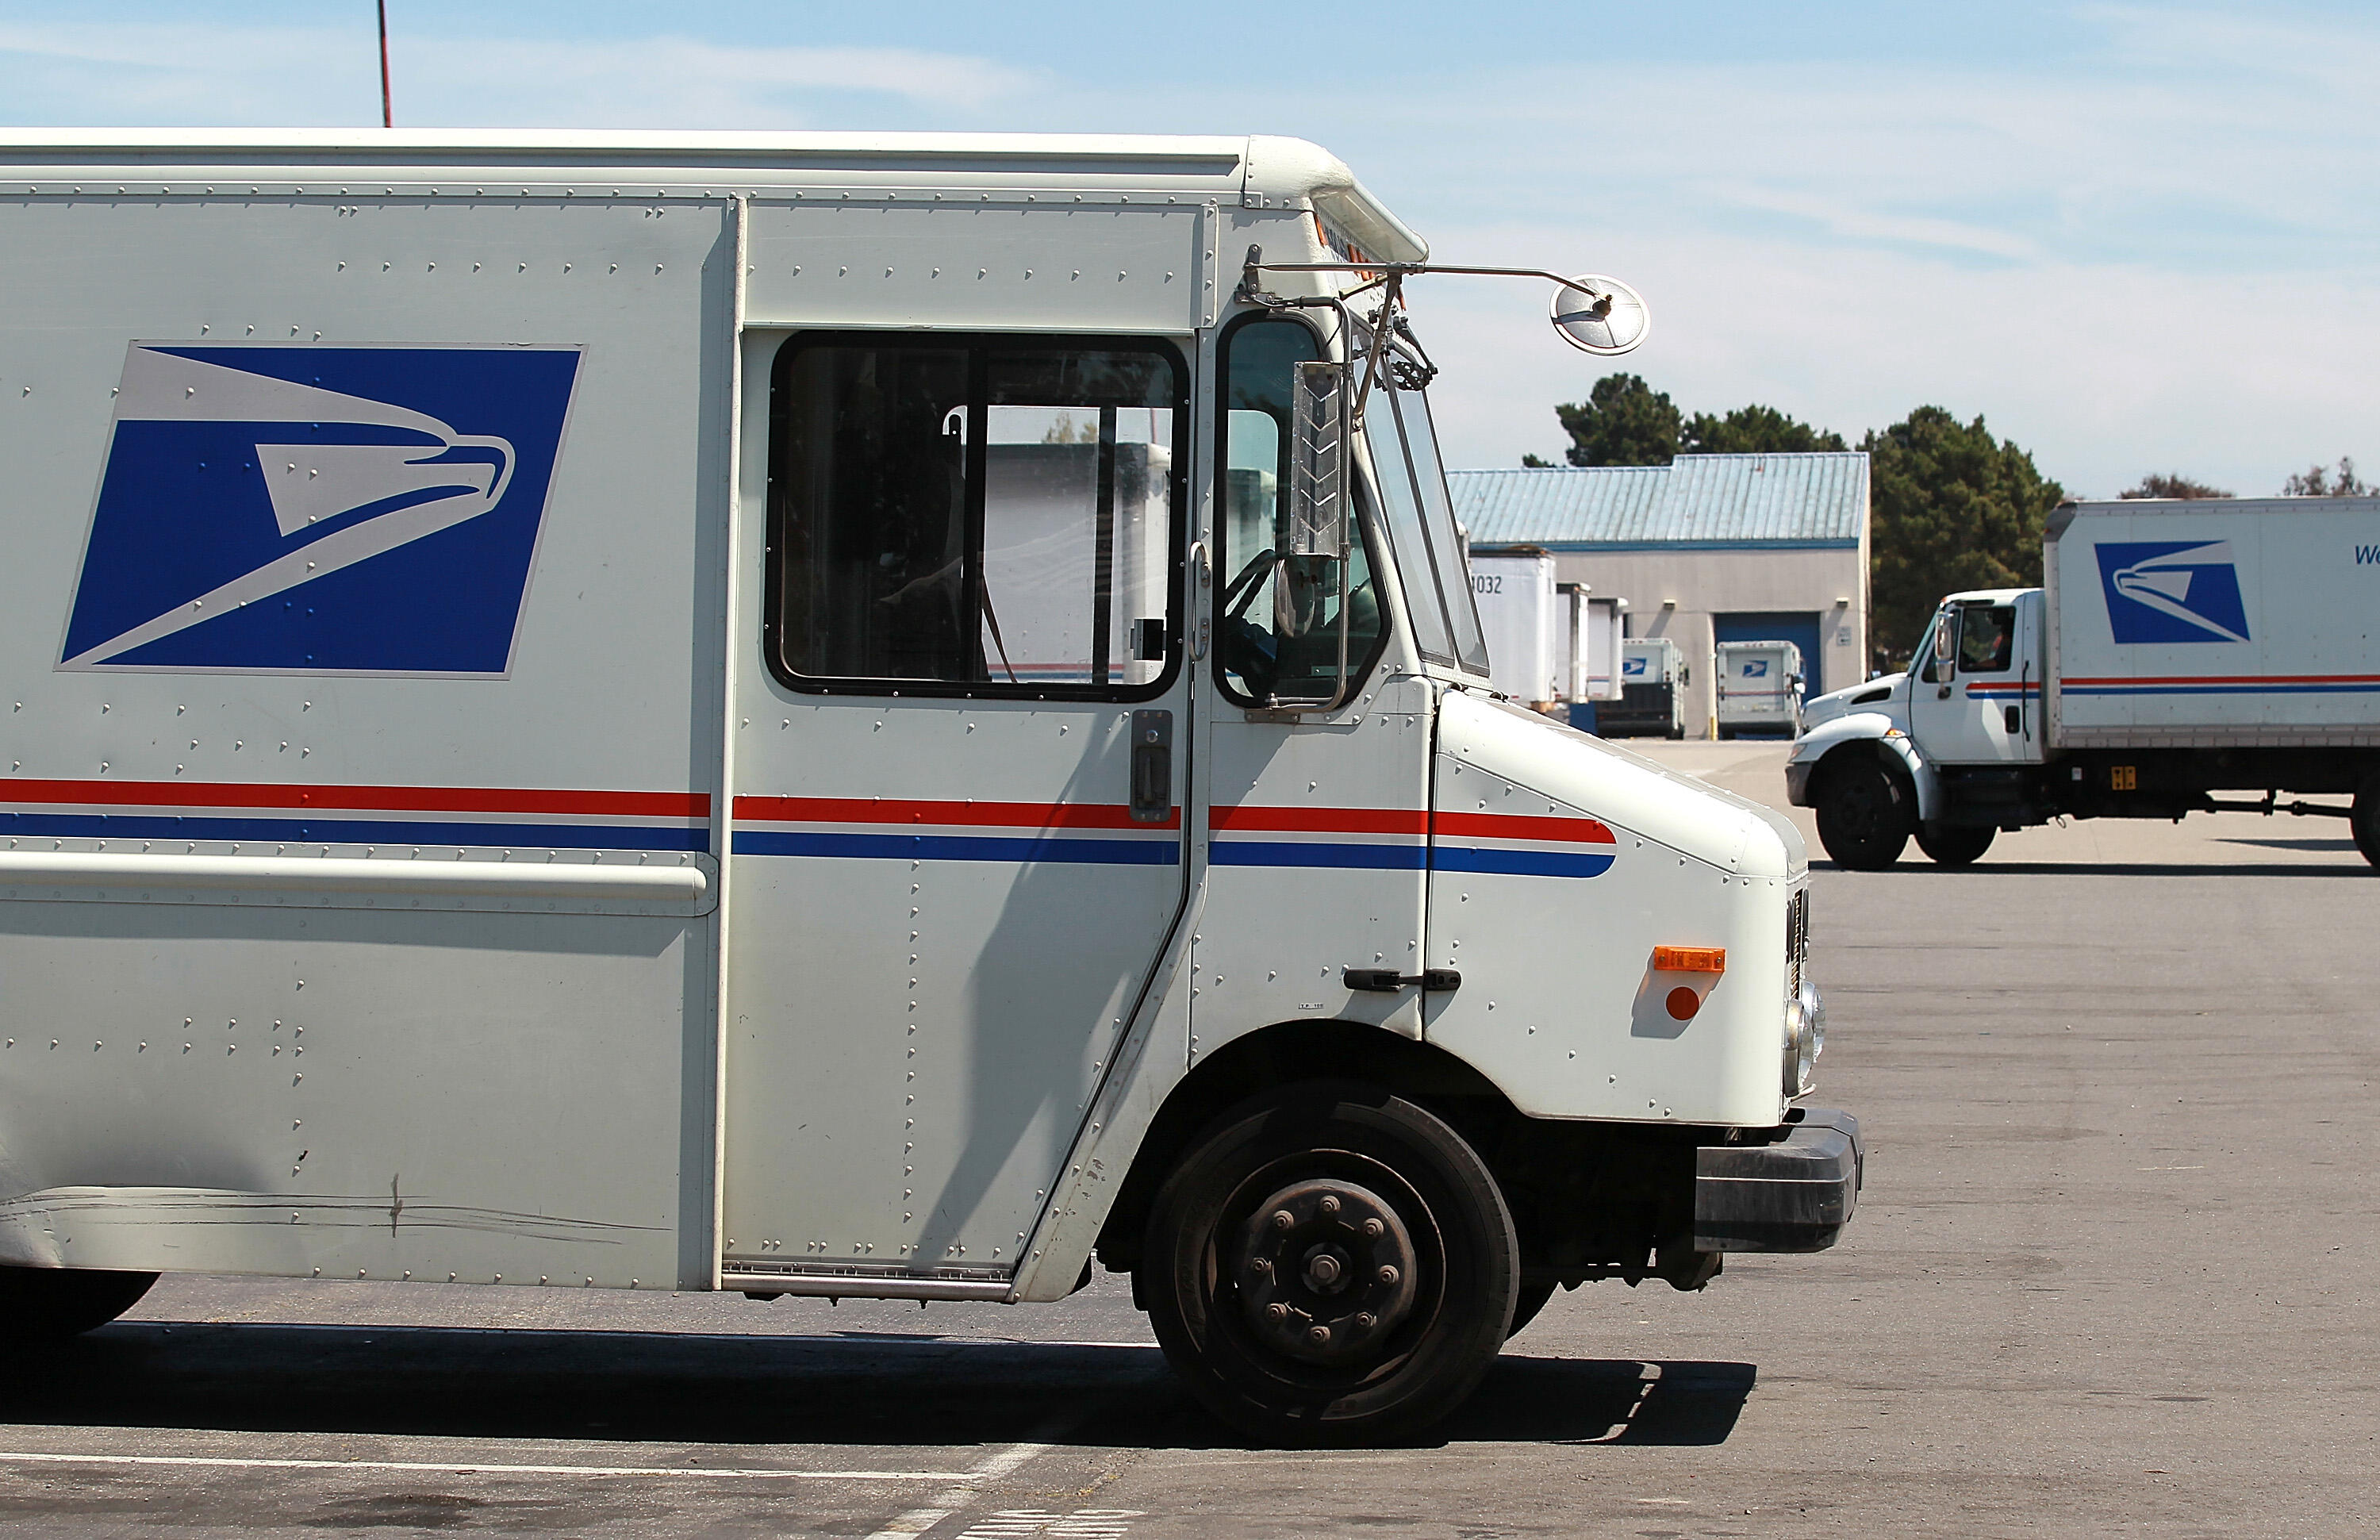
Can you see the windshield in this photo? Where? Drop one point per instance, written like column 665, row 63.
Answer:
column 1421, row 527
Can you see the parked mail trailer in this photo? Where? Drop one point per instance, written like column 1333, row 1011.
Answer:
column 1759, row 688
column 829, row 715
column 1522, row 619
column 1597, row 624
column 1653, row 679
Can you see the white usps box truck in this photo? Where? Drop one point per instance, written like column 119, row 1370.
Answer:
column 2177, row 649
column 1759, row 688
column 853, row 716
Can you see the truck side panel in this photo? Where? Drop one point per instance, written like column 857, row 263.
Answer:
column 324, row 948
column 2213, row 624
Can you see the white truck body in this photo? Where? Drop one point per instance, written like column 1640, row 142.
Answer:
column 1592, row 643
column 2176, row 648
column 2214, row 621
column 680, row 712
column 1652, row 691
column 1525, row 621
column 1759, row 688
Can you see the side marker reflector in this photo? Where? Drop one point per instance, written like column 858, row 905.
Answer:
column 1683, row 1003
column 1690, row 959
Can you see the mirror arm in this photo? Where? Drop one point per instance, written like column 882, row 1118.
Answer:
column 1393, row 272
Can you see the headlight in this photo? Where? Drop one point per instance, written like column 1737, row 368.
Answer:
column 1805, row 1038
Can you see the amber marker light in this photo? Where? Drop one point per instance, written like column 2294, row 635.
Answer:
column 1690, row 959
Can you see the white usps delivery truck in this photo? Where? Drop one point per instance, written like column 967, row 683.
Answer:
column 844, row 716
column 2177, row 649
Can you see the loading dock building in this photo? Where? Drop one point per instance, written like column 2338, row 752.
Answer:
column 1709, row 548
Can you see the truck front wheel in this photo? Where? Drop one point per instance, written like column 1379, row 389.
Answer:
column 1330, row 1264
column 50, row 1304
column 1865, row 814
column 1955, row 844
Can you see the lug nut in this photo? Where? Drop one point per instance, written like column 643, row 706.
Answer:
column 1320, row 1336
column 1277, row 1311
column 1261, row 1264
column 1365, row 1320
column 1374, row 1229
column 1282, row 1218
column 1387, row 1274
column 1328, row 1205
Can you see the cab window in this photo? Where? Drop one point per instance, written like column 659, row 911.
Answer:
column 1986, row 637
column 976, row 516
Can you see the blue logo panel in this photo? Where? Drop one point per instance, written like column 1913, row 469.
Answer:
column 317, row 509
column 1755, row 668
column 2172, row 591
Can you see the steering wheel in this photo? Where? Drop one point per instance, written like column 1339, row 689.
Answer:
column 1241, row 646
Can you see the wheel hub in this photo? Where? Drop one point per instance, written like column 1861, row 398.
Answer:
column 1325, row 1271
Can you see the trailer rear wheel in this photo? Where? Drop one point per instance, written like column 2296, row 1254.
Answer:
column 1865, row 814
column 50, row 1304
column 2364, row 821
column 1330, row 1264
column 1955, row 844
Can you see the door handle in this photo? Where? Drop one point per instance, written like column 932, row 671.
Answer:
column 2011, row 719
column 1152, row 766
column 1388, row 981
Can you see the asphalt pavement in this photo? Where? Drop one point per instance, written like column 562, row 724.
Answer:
column 2112, row 1275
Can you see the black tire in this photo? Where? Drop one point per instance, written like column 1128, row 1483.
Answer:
column 50, row 1304
column 1231, row 1292
column 2364, row 821
column 1955, row 844
column 1525, row 1305
column 1865, row 814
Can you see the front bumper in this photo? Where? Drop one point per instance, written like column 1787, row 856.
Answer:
column 1797, row 781
column 1789, row 1188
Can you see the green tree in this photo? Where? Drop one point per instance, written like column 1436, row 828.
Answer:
column 2321, row 481
column 1952, row 507
column 1756, row 430
column 1623, row 421
column 2171, row 484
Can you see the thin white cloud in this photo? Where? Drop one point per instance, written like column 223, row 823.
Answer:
column 1866, row 224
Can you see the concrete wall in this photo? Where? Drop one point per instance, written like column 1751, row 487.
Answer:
column 1701, row 584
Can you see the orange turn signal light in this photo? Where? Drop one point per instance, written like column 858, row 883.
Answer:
column 1690, row 959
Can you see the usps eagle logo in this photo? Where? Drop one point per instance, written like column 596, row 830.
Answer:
column 2172, row 591
column 314, row 509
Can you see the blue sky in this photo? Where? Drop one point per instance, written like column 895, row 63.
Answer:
column 2133, row 238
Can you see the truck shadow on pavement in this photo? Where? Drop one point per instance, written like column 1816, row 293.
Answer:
column 884, row 1390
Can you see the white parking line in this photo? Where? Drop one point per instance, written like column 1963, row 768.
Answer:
column 917, row 1521
column 475, row 1467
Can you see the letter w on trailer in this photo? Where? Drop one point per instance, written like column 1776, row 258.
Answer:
column 872, row 716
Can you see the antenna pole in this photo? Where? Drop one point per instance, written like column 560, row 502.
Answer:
column 387, row 119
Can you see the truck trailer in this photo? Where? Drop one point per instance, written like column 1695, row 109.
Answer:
column 2176, row 650
column 862, row 716
column 1652, row 678
column 1759, row 688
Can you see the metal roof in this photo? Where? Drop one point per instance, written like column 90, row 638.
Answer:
column 1779, row 501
